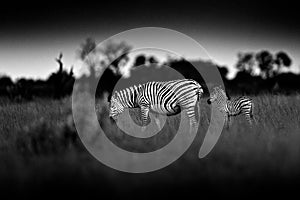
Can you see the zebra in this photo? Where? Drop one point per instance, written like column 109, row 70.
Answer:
column 169, row 97
column 232, row 107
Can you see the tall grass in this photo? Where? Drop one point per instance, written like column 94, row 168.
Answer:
column 39, row 145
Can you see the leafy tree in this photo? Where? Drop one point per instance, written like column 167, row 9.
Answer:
column 5, row 81
column 153, row 60
column 88, row 54
column 140, row 60
column 223, row 71
column 97, row 58
column 87, row 47
column 114, row 53
column 108, row 61
column 265, row 63
column 246, row 62
column 282, row 60
column 6, row 84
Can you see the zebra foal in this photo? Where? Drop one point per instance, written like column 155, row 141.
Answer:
column 241, row 105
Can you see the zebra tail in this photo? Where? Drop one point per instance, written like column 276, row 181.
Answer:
column 252, row 112
column 199, row 93
column 252, row 109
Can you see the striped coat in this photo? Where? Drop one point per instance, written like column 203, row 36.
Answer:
column 232, row 107
column 169, row 97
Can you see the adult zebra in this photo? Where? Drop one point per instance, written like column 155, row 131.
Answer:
column 169, row 97
column 232, row 107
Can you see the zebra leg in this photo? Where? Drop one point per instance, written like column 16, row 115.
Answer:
column 145, row 113
column 249, row 115
column 249, row 118
column 192, row 119
column 227, row 121
column 253, row 120
column 157, row 121
column 191, row 116
column 198, row 108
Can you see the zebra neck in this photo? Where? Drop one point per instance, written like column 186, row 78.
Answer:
column 128, row 97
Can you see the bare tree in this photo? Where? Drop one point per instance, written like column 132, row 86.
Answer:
column 59, row 61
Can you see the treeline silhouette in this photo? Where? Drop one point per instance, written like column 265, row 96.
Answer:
column 58, row 85
column 257, row 72
column 263, row 72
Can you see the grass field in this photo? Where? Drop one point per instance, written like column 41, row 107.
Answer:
column 40, row 152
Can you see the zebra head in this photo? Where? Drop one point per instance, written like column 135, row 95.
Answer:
column 116, row 107
column 217, row 95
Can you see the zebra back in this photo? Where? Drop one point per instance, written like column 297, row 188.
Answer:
column 237, row 105
column 169, row 92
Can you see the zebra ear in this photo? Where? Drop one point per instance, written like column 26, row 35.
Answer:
column 228, row 97
column 140, row 86
column 216, row 88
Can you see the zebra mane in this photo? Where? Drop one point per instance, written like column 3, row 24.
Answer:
column 222, row 92
column 131, row 91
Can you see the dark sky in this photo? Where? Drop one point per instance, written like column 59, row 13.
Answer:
column 32, row 34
